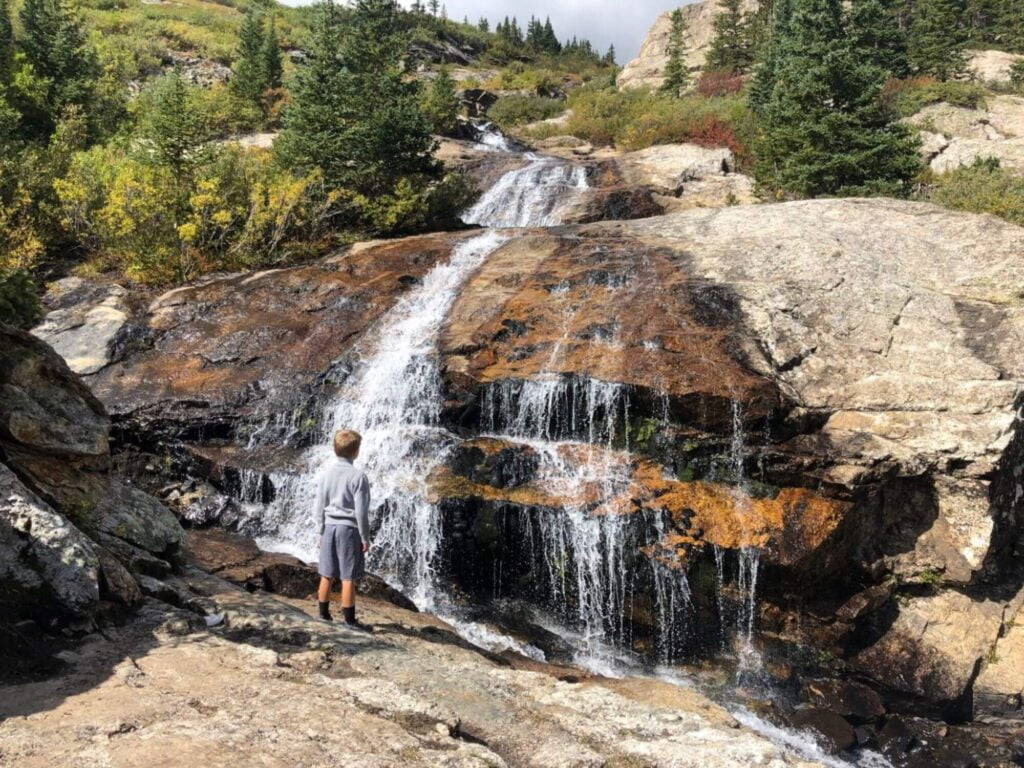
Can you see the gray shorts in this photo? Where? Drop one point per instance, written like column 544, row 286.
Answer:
column 341, row 553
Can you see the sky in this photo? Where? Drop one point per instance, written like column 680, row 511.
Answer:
column 603, row 22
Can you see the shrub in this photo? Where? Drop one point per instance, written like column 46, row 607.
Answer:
column 417, row 206
column 1017, row 74
column 19, row 301
column 910, row 96
column 981, row 188
column 515, row 110
column 636, row 119
column 719, row 82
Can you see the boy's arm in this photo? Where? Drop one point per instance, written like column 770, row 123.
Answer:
column 318, row 506
column 362, row 502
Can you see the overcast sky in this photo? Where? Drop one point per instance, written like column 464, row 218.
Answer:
column 603, row 22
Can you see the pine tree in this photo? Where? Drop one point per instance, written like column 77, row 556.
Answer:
column 435, row 6
column 874, row 29
column 823, row 130
column 767, row 67
column 270, row 55
column 609, row 58
column 677, row 76
column 1010, row 24
column 938, row 39
column 551, row 43
column 441, row 104
column 248, row 80
column 172, row 126
column 355, row 115
column 730, row 49
column 6, row 44
column 484, row 25
column 55, row 46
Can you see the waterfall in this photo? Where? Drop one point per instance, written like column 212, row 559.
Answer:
column 394, row 400
column 393, row 396
column 533, row 196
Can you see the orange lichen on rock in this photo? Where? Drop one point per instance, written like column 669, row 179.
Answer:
column 788, row 526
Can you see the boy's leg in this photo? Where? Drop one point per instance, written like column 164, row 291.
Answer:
column 348, row 594
column 324, row 592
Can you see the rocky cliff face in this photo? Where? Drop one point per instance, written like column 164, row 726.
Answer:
column 74, row 539
column 648, row 68
column 863, row 352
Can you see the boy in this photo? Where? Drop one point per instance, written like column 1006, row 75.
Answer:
column 342, row 509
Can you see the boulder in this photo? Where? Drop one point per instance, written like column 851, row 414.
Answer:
column 837, row 734
column 84, row 332
column 851, row 700
column 71, row 533
column 647, row 70
column 934, row 647
column 669, row 166
column 999, row 689
column 965, row 152
column 44, row 408
column 46, row 564
column 992, row 66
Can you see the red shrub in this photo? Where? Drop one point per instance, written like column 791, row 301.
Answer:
column 710, row 131
column 719, row 82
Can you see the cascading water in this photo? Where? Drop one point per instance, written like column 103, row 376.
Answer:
column 393, row 396
column 533, row 196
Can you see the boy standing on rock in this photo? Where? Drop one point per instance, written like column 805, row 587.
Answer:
column 343, row 509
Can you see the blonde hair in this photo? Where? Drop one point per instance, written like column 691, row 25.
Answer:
column 346, row 443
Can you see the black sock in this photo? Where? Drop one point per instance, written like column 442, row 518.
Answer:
column 325, row 611
column 350, row 614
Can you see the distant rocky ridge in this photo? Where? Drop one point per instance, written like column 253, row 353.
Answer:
column 647, row 69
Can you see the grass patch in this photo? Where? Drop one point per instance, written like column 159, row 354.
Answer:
column 981, row 188
column 511, row 111
column 635, row 119
column 908, row 97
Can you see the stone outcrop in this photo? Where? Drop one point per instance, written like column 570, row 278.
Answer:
column 868, row 349
column 74, row 539
column 953, row 137
column 271, row 685
column 992, row 66
column 647, row 70
column 83, row 322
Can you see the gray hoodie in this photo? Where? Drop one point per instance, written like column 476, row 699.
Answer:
column 343, row 498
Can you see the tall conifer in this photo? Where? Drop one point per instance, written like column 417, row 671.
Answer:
column 874, row 28
column 677, row 76
column 731, row 46
column 938, row 38
column 823, row 130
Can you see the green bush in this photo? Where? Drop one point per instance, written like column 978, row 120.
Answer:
column 636, row 118
column 19, row 301
column 511, row 111
column 981, row 188
column 908, row 97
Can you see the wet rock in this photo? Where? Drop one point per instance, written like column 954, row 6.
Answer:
column 895, row 739
column 231, row 347
column 854, row 701
column 836, row 732
column 238, row 560
column 376, row 588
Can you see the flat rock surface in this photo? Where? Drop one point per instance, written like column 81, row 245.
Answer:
column 272, row 686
